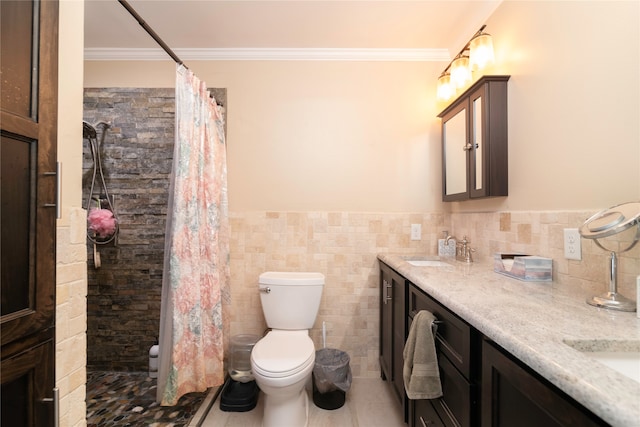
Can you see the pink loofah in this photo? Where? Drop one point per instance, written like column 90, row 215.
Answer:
column 102, row 222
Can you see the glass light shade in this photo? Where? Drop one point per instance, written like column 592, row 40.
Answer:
column 460, row 71
column 481, row 51
column 445, row 89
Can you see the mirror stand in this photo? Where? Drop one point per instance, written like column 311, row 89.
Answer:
column 612, row 299
column 608, row 223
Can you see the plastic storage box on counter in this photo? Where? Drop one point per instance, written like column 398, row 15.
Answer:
column 528, row 268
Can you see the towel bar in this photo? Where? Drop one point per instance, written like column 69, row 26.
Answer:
column 434, row 324
column 413, row 313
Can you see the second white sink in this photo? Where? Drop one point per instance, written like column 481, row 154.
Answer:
column 622, row 356
column 627, row 363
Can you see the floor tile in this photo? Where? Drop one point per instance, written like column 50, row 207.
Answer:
column 369, row 402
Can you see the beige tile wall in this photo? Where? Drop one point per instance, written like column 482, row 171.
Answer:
column 343, row 246
column 71, row 316
column 542, row 233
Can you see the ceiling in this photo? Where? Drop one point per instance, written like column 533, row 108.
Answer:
column 293, row 24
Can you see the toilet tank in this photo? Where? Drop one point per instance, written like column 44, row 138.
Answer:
column 290, row 300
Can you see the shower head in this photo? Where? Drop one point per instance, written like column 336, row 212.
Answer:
column 88, row 131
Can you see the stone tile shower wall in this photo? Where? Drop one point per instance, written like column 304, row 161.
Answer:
column 124, row 293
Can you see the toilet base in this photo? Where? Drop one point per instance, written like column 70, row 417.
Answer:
column 280, row 412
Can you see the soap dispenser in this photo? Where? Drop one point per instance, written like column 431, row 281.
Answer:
column 444, row 248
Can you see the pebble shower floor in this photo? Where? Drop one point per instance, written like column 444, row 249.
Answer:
column 127, row 399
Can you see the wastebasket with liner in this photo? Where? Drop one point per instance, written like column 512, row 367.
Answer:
column 331, row 378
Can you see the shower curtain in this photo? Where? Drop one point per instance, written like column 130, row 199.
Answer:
column 195, row 283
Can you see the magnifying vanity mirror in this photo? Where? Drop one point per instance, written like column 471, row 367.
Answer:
column 606, row 223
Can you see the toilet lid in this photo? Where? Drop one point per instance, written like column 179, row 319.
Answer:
column 282, row 353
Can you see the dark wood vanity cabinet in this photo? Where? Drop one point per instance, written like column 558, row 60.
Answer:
column 457, row 349
column 482, row 384
column 512, row 394
column 474, row 142
column 393, row 330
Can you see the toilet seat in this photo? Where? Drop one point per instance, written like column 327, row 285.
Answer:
column 282, row 354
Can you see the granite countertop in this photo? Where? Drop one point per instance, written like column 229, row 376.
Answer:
column 534, row 321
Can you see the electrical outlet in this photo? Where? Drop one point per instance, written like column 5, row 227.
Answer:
column 416, row 231
column 572, row 244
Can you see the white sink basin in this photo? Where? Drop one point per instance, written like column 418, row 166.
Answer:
column 627, row 363
column 428, row 263
column 622, row 356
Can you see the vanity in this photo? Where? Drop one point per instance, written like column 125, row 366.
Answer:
column 509, row 352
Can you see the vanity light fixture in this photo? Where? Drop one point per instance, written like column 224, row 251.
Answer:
column 474, row 56
column 445, row 90
column 460, row 71
column 480, row 51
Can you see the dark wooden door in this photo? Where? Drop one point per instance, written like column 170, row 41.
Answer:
column 28, row 193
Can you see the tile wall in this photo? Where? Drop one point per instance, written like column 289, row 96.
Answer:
column 71, row 315
column 341, row 245
column 344, row 246
column 542, row 233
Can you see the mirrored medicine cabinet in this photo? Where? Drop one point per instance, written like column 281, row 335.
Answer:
column 474, row 142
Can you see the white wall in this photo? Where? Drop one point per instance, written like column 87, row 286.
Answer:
column 304, row 135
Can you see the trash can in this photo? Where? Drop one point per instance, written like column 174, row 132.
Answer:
column 331, row 378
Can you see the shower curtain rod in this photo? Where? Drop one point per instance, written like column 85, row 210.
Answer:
column 155, row 36
column 152, row 33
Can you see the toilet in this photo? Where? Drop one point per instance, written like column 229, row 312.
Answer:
column 282, row 361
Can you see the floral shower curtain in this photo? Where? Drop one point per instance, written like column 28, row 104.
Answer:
column 195, row 283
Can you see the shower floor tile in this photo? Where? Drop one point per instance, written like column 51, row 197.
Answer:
column 123, row 399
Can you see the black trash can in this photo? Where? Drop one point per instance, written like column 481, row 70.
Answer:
column 331, row 378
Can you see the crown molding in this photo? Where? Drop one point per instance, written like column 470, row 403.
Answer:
column 268, row 54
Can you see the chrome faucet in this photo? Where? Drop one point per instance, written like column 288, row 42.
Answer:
column 463, row 250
